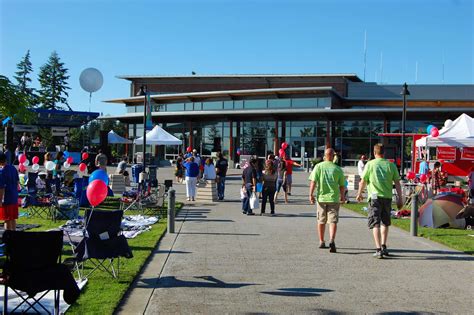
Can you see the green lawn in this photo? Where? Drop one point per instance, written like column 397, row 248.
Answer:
column 102, row 293
column 454, row 238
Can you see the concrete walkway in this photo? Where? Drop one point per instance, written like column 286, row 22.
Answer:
column 221, row 261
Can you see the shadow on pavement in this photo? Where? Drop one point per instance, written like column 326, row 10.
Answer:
column 409, row 312
column 173, row 282
column 298, row 292
column 398, row 254
column 203, row 220
column 172, row 252
column 210, row 233
column 300, row 215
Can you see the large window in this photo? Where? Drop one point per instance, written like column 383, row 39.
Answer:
column 304, row 103
column 255, row 104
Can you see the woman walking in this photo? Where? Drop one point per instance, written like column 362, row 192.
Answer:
column 179, row 170
column 269, row 187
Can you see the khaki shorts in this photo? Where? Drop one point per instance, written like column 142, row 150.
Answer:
column 328, row 212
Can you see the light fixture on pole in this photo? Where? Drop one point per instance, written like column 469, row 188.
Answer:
column 143, row 92
column 404, row 92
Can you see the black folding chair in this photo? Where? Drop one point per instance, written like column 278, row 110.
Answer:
column 103, row 243
column 37, row 203
column 33, row 267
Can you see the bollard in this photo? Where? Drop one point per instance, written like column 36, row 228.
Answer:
column 171, row 209
column 414, row 215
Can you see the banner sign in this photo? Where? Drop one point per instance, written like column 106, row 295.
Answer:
column 467, row 154
column 59, row 131
column 25, row 128
column 446, row 153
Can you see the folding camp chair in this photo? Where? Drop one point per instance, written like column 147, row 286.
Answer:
column 33, row 267
column 154, row 202
column 103, row 243
column 65, row 209
column 117, row 183
column 37, row 203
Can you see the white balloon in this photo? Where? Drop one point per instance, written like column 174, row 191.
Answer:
column 448, row 123
column 35, row 167
column 91, row 80
column 66, row 165
column 26, row 163
column 50, row 165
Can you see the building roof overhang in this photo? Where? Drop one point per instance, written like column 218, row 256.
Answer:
column 229, row 95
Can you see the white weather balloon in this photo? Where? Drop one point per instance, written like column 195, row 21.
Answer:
column 66, row 165
column 91, row 80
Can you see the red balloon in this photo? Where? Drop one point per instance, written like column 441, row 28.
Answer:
column 22, row 167
column 423, row 178
column 281, row 152
column 35, row 160
column 411, row 175
column 85, row 156
column 189, row 149
column 96, row 192
column 284, row 145
column 434, row 132
column 70, row 160
column 82, row 167
column 22, row 158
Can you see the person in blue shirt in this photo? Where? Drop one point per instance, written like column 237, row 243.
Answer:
column 424, row 167
column 8, row 193
column 192, row 172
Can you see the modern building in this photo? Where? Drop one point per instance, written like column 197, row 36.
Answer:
column 254, row 114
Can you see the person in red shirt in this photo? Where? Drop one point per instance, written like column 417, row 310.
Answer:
column 289, row 173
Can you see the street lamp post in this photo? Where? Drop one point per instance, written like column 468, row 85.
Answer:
column 404, row 92
column 143, row 92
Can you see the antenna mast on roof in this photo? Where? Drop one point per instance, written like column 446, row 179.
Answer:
column 365, row 52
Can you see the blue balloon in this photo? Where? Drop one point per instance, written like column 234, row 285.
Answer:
column 428, row 129
column 100, row 175
column 66, row 154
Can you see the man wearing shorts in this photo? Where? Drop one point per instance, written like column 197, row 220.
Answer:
column 329, row 180
column 379, row 175
column 8, row 193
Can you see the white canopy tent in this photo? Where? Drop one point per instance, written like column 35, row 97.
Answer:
column 458, row 134
column 113, row 138
column 158, row 136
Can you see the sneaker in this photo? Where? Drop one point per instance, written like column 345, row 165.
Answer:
column 289, row 194
column 244, row 212
column 332, row 247
column 262, row 213
column 188, row 199
column 193, row 199
column 378, row 254
column 384, row 250
column 250, row 213
column 322, row 245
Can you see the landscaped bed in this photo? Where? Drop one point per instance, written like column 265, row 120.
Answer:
column 454, row 238
column 102, row 293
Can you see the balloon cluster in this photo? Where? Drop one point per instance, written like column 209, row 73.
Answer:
column 411, row 175
column 97, row 189
column 282, row 152
column 432, row 130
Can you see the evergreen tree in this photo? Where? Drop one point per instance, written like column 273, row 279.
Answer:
column 53, row 80
column 22, row 75
column 13, row 103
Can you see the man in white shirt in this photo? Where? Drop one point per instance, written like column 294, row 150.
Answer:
column 361, row 165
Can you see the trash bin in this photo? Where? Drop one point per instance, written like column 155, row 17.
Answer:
column 152, row 169
column 136, row 170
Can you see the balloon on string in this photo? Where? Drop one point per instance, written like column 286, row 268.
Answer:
column 22, row 158
column 35, row 167
column 189, row 149
column 99, row 175
column 411, row 175
column 85, row 156
column 70, row 160
column 284, row 145
column 26, row 163
column 66, row 165
column 22, row 168
column 434, row 132
column 238, row 152
column 35, row 160
column 96, row 192
column 428, row 129
column 91, row 80
column 423, row 178
column 50, row 165
column 448, row 123
column 66, row 154
column 82, row 167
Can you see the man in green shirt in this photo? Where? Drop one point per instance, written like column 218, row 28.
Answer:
column 379, row 175
column 329, row 180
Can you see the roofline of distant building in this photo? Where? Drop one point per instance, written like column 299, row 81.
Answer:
column 353, row 76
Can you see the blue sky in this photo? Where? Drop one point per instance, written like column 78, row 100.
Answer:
column 239, row 37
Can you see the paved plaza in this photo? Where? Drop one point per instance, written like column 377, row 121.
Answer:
column 221, row 261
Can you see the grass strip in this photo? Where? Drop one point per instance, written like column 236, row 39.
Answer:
column 455, row 238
